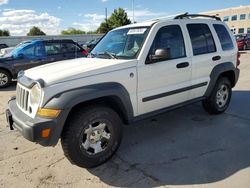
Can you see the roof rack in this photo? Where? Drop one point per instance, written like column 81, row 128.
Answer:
column 186, row 15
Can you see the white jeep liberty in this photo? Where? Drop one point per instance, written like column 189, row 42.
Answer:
column 134, row 72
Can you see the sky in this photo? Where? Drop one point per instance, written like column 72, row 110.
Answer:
column 52, row 16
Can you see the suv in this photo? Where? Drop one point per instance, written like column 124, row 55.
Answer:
column 134, row 72
column 33, row 53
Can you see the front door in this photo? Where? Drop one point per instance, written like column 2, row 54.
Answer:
column 29, row 57
column 164, row 82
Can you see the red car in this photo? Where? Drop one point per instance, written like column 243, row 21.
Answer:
column 243, row 41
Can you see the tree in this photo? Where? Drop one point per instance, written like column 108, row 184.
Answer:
column 35, row 31
column 72, row 31
column 4, row 33
column 118, row 18
column 103, row 28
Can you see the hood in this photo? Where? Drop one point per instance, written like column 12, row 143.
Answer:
column 62, row 71
column 4, row 58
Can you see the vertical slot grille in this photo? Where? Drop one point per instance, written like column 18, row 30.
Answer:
column 22, row 97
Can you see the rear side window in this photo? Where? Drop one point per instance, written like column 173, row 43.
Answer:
column 53, row 48
column 201, row 38
column 224, row 37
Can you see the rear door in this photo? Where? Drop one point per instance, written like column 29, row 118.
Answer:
column 53, row 52
column 71, row 50
column 205, row 56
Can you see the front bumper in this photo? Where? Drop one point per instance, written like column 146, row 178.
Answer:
column 31, row 128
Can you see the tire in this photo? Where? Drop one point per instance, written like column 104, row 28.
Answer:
column 220, row 97
column 85, row 146
column 5, row 78
column 244, row 47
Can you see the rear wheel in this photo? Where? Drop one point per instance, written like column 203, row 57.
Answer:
column 220, row 97
column 92, row 136
column 5, row 78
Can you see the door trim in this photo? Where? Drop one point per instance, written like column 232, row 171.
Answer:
column 161, row 95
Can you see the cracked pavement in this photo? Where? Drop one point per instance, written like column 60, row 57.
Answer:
column 182, row 148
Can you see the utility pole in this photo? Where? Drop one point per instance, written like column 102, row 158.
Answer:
column 106, row 14
column 133, row 8
column 106, row 18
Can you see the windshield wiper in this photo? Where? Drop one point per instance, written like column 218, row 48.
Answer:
column 111, row 55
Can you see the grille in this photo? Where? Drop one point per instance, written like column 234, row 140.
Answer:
column 22, row 97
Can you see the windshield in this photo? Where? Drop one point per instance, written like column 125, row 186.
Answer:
column 19, row 47
column 121, row 44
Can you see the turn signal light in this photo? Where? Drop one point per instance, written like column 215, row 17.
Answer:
column 45, row 133
column 48, row 113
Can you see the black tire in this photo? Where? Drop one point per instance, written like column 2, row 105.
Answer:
column 74, row 135
column 5, row 78
column 212, row 104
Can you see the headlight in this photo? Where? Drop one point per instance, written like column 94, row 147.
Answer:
column 35, row 95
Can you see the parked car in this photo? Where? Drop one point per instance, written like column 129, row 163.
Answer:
column 155, row 66
column 33, row 53
column 3, row 46
column 5, row 51
column 91, row 44
column 243, row 41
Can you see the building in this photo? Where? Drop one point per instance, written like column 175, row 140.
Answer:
column 237, row 18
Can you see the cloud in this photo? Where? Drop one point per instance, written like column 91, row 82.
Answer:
column 90, row 22
column 104, row 0
column 144, row 14
column 3, row 2
column 19, row 22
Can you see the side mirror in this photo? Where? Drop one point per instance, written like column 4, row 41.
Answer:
column 20, row 56
column 160, row 55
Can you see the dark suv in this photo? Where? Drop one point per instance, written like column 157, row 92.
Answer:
column 34, row 53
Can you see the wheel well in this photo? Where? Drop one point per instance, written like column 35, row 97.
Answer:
column 111, row 101
column 230, row 75
column 7, row 71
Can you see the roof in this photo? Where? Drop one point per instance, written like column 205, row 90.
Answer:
column 184, row 16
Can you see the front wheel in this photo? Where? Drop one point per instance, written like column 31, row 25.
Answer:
column 5, row 78
column 92, row 136
column 220, row 97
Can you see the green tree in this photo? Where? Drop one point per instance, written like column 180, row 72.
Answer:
column 4, row 33
column 103, row 28
column 118, row 18
column 35, row 31
column 72, row 31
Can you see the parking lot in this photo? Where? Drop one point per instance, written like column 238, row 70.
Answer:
column 182, row 148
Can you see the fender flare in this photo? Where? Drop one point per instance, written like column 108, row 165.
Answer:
column 217, row 71
column 70, row 98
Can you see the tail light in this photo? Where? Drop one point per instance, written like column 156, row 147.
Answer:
column 238, row 59
column 84, row 52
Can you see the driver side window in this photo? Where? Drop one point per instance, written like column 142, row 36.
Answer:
column 169, row 38
column 32, row 51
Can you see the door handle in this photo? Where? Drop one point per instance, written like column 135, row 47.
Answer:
column 216, row 58
column 182, row 65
